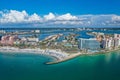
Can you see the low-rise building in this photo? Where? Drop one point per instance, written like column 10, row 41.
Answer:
column 8, row 39
column 32, row 39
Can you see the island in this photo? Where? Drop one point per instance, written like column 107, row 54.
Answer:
column 60, row 46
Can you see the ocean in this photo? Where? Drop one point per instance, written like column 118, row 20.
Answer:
column 85, row 67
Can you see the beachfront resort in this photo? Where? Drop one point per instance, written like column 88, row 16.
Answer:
column 58, row 45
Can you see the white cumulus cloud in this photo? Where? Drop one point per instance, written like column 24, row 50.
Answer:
column 67, row 16
column 13, row 17
column 34, row 17
column 50, row 16
column 116, row 18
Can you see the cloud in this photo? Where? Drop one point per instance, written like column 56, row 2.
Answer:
column 14, row 17
column 67, row 16
column 34, row 17
column 50, row 16
column 115, row 18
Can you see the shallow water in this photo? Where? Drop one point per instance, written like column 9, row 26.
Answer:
column 86, row 67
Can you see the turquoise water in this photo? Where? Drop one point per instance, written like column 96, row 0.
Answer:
column 32, row 67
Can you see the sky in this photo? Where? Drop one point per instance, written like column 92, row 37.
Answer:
column 59, row 13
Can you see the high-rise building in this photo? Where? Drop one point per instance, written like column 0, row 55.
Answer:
column 119, row 41
column 108, row 43
column 115, row 35
column 0, row 38
column 102, row 44
column 116, row 40
column 88, row 44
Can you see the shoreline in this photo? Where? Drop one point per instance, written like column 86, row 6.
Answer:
column 78, row 54
column 58, row 55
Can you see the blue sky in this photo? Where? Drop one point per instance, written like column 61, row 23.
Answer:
column 76, row 7
column 88, row 12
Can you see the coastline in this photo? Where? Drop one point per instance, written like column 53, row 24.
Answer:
column 78, row 54
column 59, row 55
